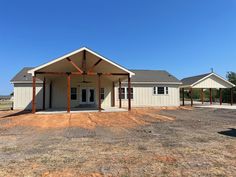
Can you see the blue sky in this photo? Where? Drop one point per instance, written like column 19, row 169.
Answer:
column 184, row 37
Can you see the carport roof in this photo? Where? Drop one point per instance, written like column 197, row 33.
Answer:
column 193, row 80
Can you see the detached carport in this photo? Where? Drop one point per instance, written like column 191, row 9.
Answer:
column 206, row 81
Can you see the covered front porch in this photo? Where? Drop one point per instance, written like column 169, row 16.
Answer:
column 80, row 81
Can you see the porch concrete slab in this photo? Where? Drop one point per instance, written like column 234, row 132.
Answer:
column 198, row 104
column 80, row 110
column 217, row 106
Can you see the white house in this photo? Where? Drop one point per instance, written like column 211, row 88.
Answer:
column 83, row 79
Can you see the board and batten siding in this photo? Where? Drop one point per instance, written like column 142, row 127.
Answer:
column 212, row 82
column 143, row 96
column 23, row 94
column 59, row 91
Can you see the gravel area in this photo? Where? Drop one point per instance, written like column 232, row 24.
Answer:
column 182, row 142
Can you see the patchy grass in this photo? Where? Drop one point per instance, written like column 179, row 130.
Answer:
column 145, row 142
column 5, row 105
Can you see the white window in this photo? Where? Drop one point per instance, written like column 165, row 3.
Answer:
column 160, row 90
column 121, row 93
column 131, row 93
column 125, row 93
column 73, row 93
column 102, row 93
column 167, row 90
column 154, row 90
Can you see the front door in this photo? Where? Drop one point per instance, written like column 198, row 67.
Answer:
column 87, row 96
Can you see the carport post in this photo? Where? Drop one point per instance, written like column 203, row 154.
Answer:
column 202, row 96
column 232, row 96
column 68, row 92
column 210, row 96
column 220, row 96
column 34, row 92
column 119, row 93
column 183, row 95
column 129, row 93
column 191, row 95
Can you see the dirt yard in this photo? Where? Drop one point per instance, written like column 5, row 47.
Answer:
column 144, row 142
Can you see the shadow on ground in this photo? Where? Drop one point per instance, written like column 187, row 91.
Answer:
column 231, row 132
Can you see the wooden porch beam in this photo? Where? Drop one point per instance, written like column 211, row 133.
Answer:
column 202, row 96
column 68, row 93
column 91, row 69
column 183, row 95
column 210, row 96
column 113, row 94
column 232, row 96
column 191, row 95
column 119, row 93
column 52, row 73
column 79, row 73
column 78, row 69
column 50, row 96
column 44, row 90
column 34, row 95
column 99, row 93
column 220, row 96
column 129, row 93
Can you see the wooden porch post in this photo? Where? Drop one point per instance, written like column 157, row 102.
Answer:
column 119, row 93
column 99, row 93
column 113, row 94
column 202, row 96
column 232, row 96
column 50, row 96
column 44, row 89
column 68, row 92
column 210, row 96
column 183, row 95
column 220, row 96
column 34, row 92
column 191, row 95
column 129, row 93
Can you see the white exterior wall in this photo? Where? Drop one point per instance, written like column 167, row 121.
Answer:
column 143, row 96
column 212, row 82
column 59, row 91
column 23, row 94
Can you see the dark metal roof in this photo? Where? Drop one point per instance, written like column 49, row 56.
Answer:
column 140, row 76
column 23, row 76
column 153, row 76
column 193, row 79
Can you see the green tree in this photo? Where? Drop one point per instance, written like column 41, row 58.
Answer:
column 231, row 77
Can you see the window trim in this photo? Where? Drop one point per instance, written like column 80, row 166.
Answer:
column 75, row 93
column 155, row 91
column 102, row 93
column 125, row 93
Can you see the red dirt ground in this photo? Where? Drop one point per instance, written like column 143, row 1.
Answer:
column 86, row 120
